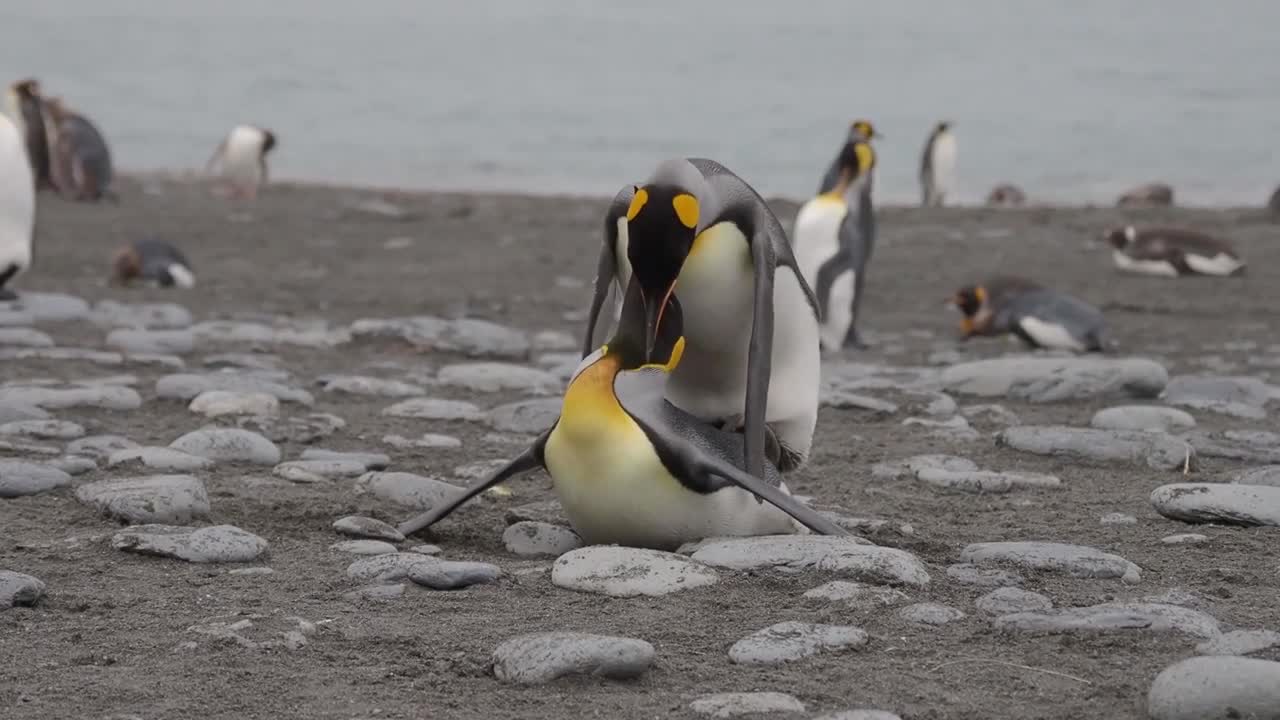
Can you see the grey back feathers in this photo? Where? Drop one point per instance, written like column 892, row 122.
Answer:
column 1045, row 306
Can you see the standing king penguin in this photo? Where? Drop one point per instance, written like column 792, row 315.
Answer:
column 26, row 107
column 242, row 156
column 752, row 356
column 938, row 165
column 633, row 469
column 835, row 235
column 17, row 205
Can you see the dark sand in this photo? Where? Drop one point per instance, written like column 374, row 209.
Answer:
column 106, row 639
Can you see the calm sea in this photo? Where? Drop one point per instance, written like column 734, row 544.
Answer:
column 1074, row 101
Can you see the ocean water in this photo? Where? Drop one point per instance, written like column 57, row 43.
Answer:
column 1072, row 101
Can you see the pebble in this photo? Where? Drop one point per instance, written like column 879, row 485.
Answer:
column 320, row 468
column 69, row 354
column 1158, row 451
column 1240, row 642
column 159, row 458
column 73, row 465
column 542, row 657
column 1112, row 617
column 538, row 539
column 366, row 527
column 727, row 705
column 954, row 428
column 213, row 544
column 1184, row 539
column 364, row 547
column 24, row 337
column 112, row 314
column 525, row 416
column 131, row 341
column 490, row 377
column 1253, row 446
column 1243, row 397
column 475, row 338
column 43, row 429
column 306, row 429
column 849, row 557
column 213, row 403
column 19, row 478
column 231, row 331
column 229, row 445
column 49, row 307
column 406, row 489
column 364, row 385
column 1073, row 560
column 1265, row 475
column 449, row 575
column 387, row 568
column 1216, row 688
column 99, row 447
column 985, row 481
column 627, row 572
column 1247, row 505
column 14, row 412
column 1116, row 518
column 1056, row 379
column 427, row 408
column 19, row 589
column 105, row 397
column 1142, row 417
column 1008, row 600
column 856, row 594
column 163, row 499
column 927, row 613
column 20, row 447
column 789, row 641
column 187, row 386
column 371, row 460
column 912, row 466
column 991, row 414
column 426, row 440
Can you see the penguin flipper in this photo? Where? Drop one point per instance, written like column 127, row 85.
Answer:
column 607, row 266
column 527, row 461
column 802, row 513
column 759, row 354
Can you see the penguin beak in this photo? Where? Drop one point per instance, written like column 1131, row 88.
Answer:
column 655, row 306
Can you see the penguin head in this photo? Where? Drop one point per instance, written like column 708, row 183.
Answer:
column 26, row 89
column 662, row 222
column 125, row 266
column 863, row 130
column 268, row 141
column 635, row 343
column 943, row 126
column 969, row 300
column 857, row 159
column 1121, row 237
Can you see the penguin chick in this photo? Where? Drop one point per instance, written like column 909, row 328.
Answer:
column 79, row 158
column 1172, row 252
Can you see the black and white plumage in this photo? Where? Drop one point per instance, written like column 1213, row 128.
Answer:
column 17, row 206
column 79, row 158
column 1172, row 252
column 938, row 166
column 154, row 262
column 26, row 109
column 241, row 158
column 1039, row 316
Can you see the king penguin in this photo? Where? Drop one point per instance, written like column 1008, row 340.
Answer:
column 938, row 165
column 154, row 262
column 632, row 469
column 79, row 158
column 26, row 107
column 1039, row 316
column 1172, row 252
column 17, row 206
column 834, row 236
column 752, row 356
column 241, row 158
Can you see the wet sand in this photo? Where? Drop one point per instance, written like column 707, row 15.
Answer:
column 112, row 636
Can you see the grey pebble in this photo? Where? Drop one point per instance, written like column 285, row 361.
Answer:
column 789, row 641
column 18, row 478
column 99, row 447
column 1184, row 539
column 232, row 331
column 24, row 337
column 106, row 397
column 366, row 527
column 159, row 458
column 247, row 361
column 856, row 594
column 542, row 657
column 845, row 400
column 427, row 408
column 1216, row 688
column 475, row 338
column 1056, row 379
column 73, row 465
column 19, row 589
column 43, row 429
column 213, row 544
column 69, row 354
column 627, row 572
column 479, row 469
column 163, row 499
column 1243, row 397
column 849, row 557
column 991, row 414
column 229, row 445
column 1240, row 642
column 13, row 412
column 22, row 447
column 1110, row 618
column 953, row 429
column 1116, row 518
column 525, row 416
column 1158, row 451
column 450, row 575
column 387, row 568
column 304, row 429
column 537, row 539
column 363, row 547
column 927, row 613
column 426, row 440
column 49, row 307
column 912, row 466
column 1254, row 446
column 1227, row 503
column 112, row 314
column 1142, row 417
column 1073, row 560
column 406, row 489
column 174, row 342
column 985, row 481
column 1265, row 475
column 369, row 386
column 727, row 705
column 371, row 460
column 216, row 403
column 492, row 377
column 426, row 549
column 545, row 511
column 323, row 469
column 187, row 386
column 1009, row 600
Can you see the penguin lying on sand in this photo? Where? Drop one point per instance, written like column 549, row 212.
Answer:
column 633, row 469
column 79, row 159
column 17, row 206
column 1039, row 316
column 1172, row 252
column 152, row 261
column 752, row 357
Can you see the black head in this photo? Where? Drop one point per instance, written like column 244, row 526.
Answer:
column 662, row 223
column 969, row 299
column 943, row 126
column 268, row 141
column 863, row 130
column 27, row 89
column 1120, row 237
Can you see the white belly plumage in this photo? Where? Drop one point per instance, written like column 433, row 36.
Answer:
column 1050, row 334
column 943, row 163
column 1220, row 264
column 17, row 198
column 816, row 240
column 1163, row 268
column 240, row 155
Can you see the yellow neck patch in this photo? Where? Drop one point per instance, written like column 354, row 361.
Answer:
column 866, row 157
column 676, row 353
column 637, row 203
column 980, row 294
column 686, row 209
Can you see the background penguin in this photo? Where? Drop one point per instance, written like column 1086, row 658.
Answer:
column 834, row 235
column 938, row 165
column 1006, row 195
column 1273, row 203
column 26, row 107
column 1039, row 316
column 1172, row 252
column 633, row 469
column 242, row 157
column 1150, row 195
column 752, row 357
column 860, row 130
column 152, row 261
column 79, row 159
column 17, row 206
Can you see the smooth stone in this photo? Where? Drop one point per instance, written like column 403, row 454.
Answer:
column 449, row 575
column 474, row 338
column 406, row 489
column 21, row 447
column 525, row 416
column 856, row 594
column 16, row 412
column 1247, row 505
column 370, row 460
column 627, row 572
column 173, row 342
column 850, row 557
column 112, row 314
column 213, row 544
column 912, row 466
column 106, row 397
column 10, row 317
column 305, row 429
column 1240, row 642
column 161, row 499
column 247, row 361
column 991, row 414
column 1009, row 600
column 70, row 354
column 427, row 408
column 1056, row 379
column 954, row 428
column 49, row 307
column 229, row 445
column 860, row 715
column 392, row 567
column 1254, row 446
column 375, row 593
column 18, row 478
column 366, row 527
column 24, row 337
column 320, row 468
column 43, row 429
column 1118, row 519
column 536, row 539
column 542, row 657
column 1142, row 417
column 426, row 549
column 232, row 331
column 19, row 589
column 159, row 458
column 213, row 403
column 99, row 447
column 1266, row 475
column 187, row 386
column 73, row 465
column 1216, row 688
column 727, row 705
column 364, row 547
column 789, row 641
column 1073, row 560
column 1158, row 451
column 425, row 441
column 927, row 613
column 490, row 377
column 1112, row 617
column 1243, row 397
column 985, row 481
column 370, row 386
column 1184, row 539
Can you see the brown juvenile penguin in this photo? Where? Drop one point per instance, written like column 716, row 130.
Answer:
column 1172, row 252
column 1006, row 195
column 1150, row 195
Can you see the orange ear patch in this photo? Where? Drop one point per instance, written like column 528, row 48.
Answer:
column 980, row 294
column 686, row 209
column 637, row 203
